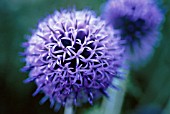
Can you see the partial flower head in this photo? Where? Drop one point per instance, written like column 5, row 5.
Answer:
column 72, row 57
column 138, row 22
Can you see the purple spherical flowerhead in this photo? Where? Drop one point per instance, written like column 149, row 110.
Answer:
column 72, row 57
column 138, row 22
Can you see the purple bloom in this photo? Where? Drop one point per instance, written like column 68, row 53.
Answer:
column 72, row 57
column 138, row 22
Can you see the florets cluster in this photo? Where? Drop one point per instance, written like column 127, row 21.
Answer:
column 138, row 22
column 72, row 57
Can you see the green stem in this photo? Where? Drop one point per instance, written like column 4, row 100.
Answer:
column 68, row 110
column 113, row 105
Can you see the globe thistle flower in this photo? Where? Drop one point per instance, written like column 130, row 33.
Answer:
column 72, row 57
column 138, row 22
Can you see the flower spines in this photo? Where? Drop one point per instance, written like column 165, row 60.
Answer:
column 70, row 57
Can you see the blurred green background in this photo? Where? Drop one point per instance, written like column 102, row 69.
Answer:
column 148, row 89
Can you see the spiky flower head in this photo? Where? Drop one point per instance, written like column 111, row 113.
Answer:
column 138, row 22
column 72, row 57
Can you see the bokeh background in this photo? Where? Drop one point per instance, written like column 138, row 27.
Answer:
column 148, row 89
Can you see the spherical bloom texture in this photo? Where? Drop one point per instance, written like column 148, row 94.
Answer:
column 72, row 57
column 138, row 22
